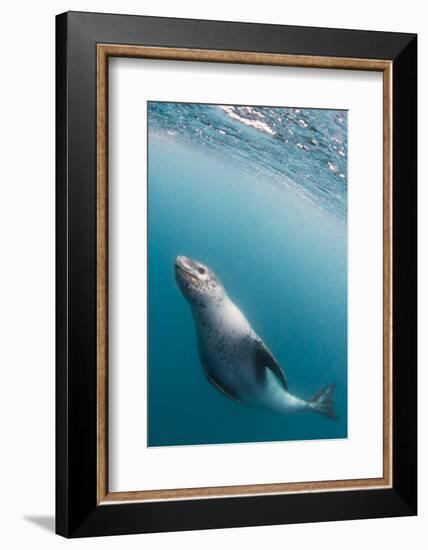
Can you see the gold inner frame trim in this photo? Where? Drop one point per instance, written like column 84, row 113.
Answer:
column 104, row 51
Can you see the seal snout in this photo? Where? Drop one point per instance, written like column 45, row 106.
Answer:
column 181, row 262
column 180, row 259
column 185, row 263
column 183, row 267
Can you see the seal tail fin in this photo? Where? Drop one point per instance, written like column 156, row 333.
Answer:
column 322, row 402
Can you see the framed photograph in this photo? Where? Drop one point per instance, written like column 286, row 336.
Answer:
column 236, row 274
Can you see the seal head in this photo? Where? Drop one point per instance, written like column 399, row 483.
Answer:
column 198, row 283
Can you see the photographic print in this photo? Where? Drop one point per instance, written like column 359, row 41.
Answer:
column 247, row 273
column 235, row 331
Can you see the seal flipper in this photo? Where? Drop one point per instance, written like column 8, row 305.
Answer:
column 264, row 359
column 322, row 402
column 223, row 390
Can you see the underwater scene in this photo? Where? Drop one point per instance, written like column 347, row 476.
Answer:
column 247, row 274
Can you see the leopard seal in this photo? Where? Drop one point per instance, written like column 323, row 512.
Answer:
column 234, row 358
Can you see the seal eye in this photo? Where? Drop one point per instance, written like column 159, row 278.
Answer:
column 201, row 270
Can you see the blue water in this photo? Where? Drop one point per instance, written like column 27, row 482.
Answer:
column 258, row 194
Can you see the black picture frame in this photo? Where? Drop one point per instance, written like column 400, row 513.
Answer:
column 78, row 513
